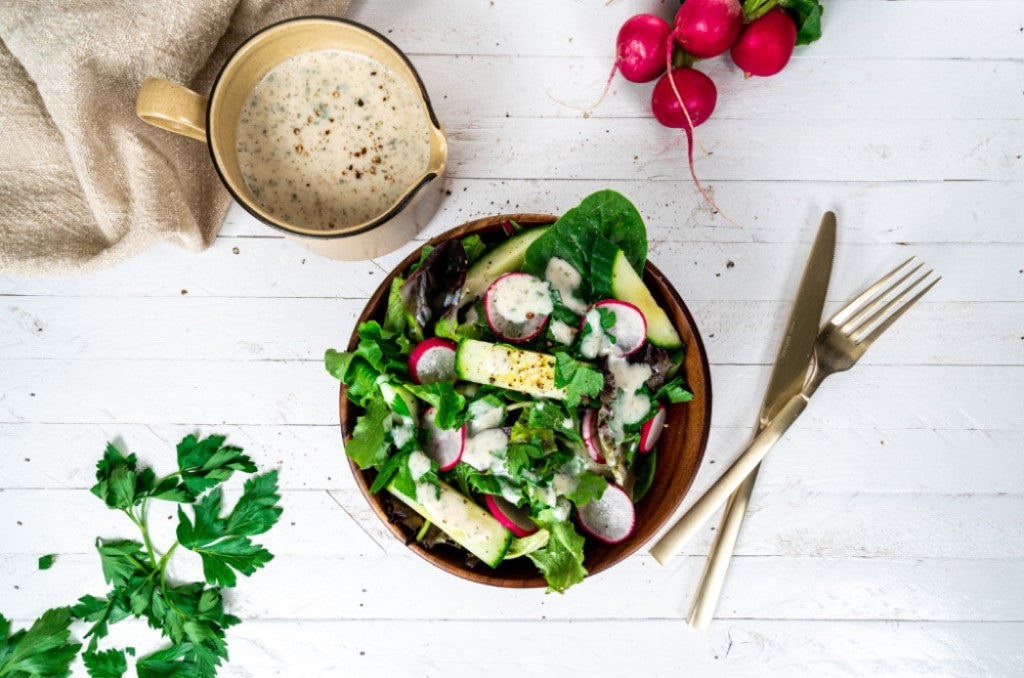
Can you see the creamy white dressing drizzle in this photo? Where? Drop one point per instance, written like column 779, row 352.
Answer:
column 519, row 298
column 563, row 333
column 419, row 466
column 594, row 339
column 629, row 406
column 330, row 139
column 486, row 450
column 403, row 433
column 566, row 279
column 484, row 414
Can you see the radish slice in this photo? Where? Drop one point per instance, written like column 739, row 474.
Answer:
column 629, row 330
column 516, row 519
column 445, row 446
column 588, row 430
column 651, row 430
column 433, row 360
column 517, row 306
column 609, row 519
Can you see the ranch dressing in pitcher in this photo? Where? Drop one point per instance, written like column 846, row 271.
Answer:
column 330, row 139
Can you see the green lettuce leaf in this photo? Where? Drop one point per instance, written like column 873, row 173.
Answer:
column 561, row 560
column 369, row 443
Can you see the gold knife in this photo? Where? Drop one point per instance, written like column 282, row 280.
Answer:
column 787, row 378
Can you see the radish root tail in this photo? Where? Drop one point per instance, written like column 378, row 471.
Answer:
column 587, row 109
column 691, row 136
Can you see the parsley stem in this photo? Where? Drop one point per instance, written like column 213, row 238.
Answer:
column 518, row 406
column 141, row 522
column 163, row 578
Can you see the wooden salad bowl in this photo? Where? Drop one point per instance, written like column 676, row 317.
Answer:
column 680, row 448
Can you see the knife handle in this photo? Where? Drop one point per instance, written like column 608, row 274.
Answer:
column 673, row 541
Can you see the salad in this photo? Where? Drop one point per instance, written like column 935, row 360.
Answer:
column 513, row 394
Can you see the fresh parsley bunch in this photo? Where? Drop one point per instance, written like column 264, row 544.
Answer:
column 191, row 616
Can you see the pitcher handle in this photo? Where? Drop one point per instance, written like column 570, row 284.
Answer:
column 172, row 107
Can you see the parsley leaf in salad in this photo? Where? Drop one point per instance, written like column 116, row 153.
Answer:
column 580, row 380
column 674, row 391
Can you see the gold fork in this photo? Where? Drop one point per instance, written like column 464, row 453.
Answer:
column 839, row 345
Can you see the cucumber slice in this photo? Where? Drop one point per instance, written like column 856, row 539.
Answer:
column 469, row 525
column 503, row 258
column 628, row 286
column 527, row 545
column 507, row 367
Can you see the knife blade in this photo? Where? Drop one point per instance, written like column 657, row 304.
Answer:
column 787, row 378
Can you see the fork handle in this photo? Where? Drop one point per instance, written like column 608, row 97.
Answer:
column 673, row 541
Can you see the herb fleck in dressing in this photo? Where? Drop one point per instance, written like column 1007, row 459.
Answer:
column 330, row 139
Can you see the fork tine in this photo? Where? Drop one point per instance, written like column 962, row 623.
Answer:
column 887, row 323
column 856, row 320
column 844, row 314
column 861, row 327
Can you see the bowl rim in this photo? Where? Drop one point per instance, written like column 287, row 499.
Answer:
column 492, row 577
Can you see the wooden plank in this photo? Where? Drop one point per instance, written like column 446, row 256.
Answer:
column 404, row 587
column 851, row 28
column 287, row 392
column 788, row 521
column 279, row 392
column 811, row 87
column 974, row 212
column 971, row 461
column 735, row 332
column 720, row 271
column 789, row 149
column 608, row 648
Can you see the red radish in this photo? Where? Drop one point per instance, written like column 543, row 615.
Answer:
column 609, row 519
column 629, row 330
column 706, row 28
column 651, row 430
column 507, row 228
column 433, row 360
column 685, row 98
column 588, row 431
column 699, row 96
column 517, row 306
column 640, row 49
column 445, row 446
column 516, row 519
column 765, row 45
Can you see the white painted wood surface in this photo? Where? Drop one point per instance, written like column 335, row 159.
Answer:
column 885, row 536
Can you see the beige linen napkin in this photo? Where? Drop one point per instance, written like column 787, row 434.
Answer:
column 84, row 183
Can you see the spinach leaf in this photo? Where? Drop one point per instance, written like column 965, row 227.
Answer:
column 603, row 217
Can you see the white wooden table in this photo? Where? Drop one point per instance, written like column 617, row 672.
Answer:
column 886, row 533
